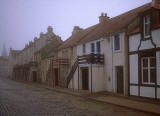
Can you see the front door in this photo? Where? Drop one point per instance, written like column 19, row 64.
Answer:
column 119, row 71
column 85, row 79
column 34, row 76
column 56, row 76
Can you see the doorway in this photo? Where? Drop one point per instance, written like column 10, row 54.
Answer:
column 56, row 77
column 34, row 73
column 85, row 79
column 120, row 79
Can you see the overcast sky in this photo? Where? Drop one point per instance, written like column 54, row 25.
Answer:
column 22, row 20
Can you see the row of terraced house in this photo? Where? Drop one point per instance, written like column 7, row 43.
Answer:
column 119, row 55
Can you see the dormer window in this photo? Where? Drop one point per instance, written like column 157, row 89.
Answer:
column 147, row 26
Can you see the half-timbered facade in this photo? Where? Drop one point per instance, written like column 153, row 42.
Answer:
column 144, row 54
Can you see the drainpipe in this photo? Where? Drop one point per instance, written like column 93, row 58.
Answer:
column 111, row 46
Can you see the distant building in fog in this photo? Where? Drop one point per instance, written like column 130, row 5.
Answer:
column 26, row 57
column 3, row 62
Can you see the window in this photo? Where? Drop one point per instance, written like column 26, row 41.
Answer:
column 92, row 48
column 148, row 70
column 98, row 45
column 147, row 26
column 84, row 48
column 117, row 42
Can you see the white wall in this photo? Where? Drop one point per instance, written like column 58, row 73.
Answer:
column 156, row 37
column 133, row 68
column 88, row 47
column 97, row 78
column 146, row 45
column 147, row 92
column 158, row 93
column 134, row 42
column 134, row 90
column 158, row 67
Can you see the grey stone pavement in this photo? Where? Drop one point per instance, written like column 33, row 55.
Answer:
column 26, row 99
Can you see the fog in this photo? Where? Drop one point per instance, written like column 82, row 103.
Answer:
column 22, row 20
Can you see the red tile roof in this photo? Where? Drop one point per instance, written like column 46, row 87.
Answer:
column 105, row 28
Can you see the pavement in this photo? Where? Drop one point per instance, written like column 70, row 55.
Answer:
column 31, row 99
column 144, row 105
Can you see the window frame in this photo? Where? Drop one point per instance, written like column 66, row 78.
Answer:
column 144, row 26
column 84, row 48
column 149, row 68
column 93, row 47
column 100, row 51
column 120, row 43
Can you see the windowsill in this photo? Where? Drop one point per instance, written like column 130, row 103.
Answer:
column 147, row 37
column 117, row 51
column 148, row 83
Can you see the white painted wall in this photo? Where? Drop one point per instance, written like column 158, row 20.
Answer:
column 97, row 78
column 88, row 47
column 158, row 93
column 156, row 37
column 134, row 41
column 147, row 92
column 133, row 68
column 134, row 90
column 146, row 45
column 158, row 67
column 98, row 83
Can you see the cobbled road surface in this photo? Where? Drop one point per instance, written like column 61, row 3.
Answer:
column 26, row 99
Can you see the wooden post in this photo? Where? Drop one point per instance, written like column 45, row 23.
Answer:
column 78, row 76
column 91, row 77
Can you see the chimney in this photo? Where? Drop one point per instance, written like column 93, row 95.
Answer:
column 35, row 38
column 76, row 29
column 50, row 29
column 155, row 3
column 103, row 17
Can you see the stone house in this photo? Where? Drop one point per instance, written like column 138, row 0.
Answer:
column 25, row 66
column 3, row 66
column 43, row 57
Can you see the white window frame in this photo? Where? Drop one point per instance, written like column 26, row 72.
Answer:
column 95, row 47
column 120, row 43
column 149, row 70
column 144, row 25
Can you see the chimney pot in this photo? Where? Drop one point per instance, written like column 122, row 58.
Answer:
column 103, row 17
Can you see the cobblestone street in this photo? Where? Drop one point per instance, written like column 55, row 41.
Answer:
column 21, row 99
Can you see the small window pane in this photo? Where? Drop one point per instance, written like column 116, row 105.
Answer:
column 153, row 62
column 98, row 47
column 145, row 75
column 145, row 62
column 117, row 42
column 92, row 47
column 153, row 75
column 84, row 48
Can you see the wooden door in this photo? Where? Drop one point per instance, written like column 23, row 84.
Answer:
column 56, row 76
column 120, row 80
column 34, row 76
column 85, row 79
